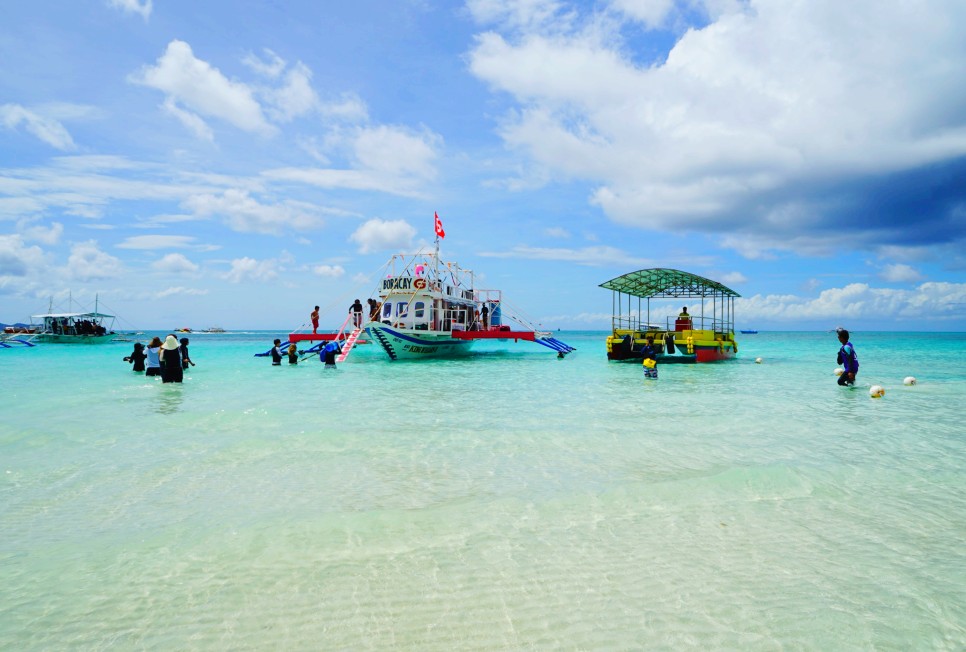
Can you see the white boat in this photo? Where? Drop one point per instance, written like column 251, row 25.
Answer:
column 74, row 327
column 428, row 308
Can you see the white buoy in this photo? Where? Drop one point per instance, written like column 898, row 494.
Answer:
column 909, row 380
column 757, row 360
column 877, row 391
column 839, row 371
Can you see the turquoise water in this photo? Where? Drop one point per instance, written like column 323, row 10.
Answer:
column 509, row 500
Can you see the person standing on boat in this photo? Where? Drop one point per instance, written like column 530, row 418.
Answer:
column 485, row 316
column 847, row 358
column 356, row 311
column 277, row 353
column 314, row 316
column 154, row 361
column 137, row 357
column 373, row 309
column 170, row 355
column 650, row 358
column 185, row 360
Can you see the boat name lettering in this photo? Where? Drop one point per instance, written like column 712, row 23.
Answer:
column 419, row 284
column 422, row 349
column 400, row 283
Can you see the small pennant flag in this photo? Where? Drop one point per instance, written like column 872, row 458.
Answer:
column 439, row 226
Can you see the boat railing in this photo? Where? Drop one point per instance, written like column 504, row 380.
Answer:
column 700, row 323
column 633, row 323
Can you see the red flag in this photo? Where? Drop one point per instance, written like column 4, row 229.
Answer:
column 439, row 226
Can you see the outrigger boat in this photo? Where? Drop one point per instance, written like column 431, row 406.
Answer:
column 427, row 308
column 20, row 334
column 431, row 309
column 705, row 335
column 74, row 327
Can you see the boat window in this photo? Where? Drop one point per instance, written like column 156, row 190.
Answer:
column 387, row 310
column 420, row 308
column 401, row 308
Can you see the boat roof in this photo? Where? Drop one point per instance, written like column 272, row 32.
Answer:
column 60, row 315
column 662, row 283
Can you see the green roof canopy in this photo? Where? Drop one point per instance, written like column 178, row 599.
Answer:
column 659, row 283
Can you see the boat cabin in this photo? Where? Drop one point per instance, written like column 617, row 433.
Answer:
column 420, row 295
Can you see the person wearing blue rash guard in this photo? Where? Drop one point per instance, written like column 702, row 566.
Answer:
column 328, row 353
column 847, row 358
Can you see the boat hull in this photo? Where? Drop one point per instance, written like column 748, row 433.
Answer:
column 689, row 347
column 409, row 344
column 53, row 338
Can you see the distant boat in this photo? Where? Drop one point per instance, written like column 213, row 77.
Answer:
column 214, row 329
column 74, row 327
column 750, row 332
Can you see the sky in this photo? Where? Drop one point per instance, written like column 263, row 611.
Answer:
column 233, row 164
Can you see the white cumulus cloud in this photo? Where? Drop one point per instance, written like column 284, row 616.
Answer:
column 381, row 235
column 900, row 273
column 175, row 263
column 194, row 86
column 88, row 263
column 249, row 269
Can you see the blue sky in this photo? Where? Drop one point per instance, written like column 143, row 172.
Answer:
column 236, row 163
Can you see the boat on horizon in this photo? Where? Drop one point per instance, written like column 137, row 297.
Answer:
column 749, row 331
column 706, row 334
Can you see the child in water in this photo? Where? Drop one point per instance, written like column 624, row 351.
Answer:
column 137, row 357
column 650, row 359
column 293, row 356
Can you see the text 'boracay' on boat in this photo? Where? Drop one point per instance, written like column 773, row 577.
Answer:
column 705, row 334
column 427, row 308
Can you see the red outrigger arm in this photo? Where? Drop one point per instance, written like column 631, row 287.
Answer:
column 529, row 336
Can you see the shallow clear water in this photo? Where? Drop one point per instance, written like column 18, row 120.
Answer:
column 508, row 500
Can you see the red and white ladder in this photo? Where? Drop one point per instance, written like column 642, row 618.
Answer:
column 349, row 343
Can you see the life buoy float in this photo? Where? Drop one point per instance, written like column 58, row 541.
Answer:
column 690, row 343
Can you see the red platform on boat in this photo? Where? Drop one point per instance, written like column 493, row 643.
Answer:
column 318, row 337
column 494, row 334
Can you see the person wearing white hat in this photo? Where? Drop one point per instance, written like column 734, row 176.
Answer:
column 171, row 371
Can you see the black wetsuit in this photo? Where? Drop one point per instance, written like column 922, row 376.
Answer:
column 137, row 358
column 171, row 371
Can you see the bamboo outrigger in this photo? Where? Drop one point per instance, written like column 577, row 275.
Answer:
column 705, row 335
